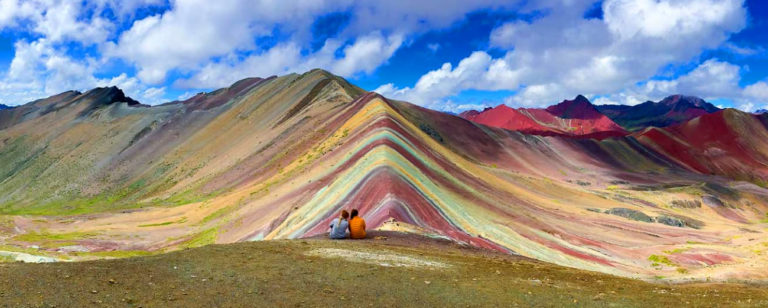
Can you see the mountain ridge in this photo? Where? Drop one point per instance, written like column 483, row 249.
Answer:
column 576, row 118
column 282, row 158
column 673, row 109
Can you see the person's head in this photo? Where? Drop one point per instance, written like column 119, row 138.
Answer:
column 344, row 214
column 354, row 213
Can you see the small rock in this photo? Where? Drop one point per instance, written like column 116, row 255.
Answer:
column 427, row 282
column 94, row 291
column 498, row 272
column 112, row 281
column 599, row 296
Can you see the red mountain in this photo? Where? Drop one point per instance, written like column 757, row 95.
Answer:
column 575, row 118
column 729, row 142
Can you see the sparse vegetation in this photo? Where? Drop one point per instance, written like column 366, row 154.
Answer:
column 203, row 238
column 686, row 204
column 37, row 237
column 660, row 259
column 182, row 220
column 431, row 132
column 630, row 214
column 283, row 273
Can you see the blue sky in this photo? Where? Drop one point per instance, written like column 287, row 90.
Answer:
column 446, row 55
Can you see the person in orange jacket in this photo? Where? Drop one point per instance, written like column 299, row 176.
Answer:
column 356, row 225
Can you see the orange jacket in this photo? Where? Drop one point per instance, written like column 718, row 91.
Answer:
column 357, row 227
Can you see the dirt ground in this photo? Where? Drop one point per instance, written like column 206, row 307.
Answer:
column 387, row 270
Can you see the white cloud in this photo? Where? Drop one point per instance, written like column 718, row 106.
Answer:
column 57, row 20
column 562, row 54
column 478, row 71
column 364, row 55
column 38, row 70
column 532, row 96
column 213, row 44
column 367, row 53
column 688, row 18
column 63, row 20
column 713, row 79
column 407, row 16
column 13, row 10
column 194, row 34
column 758, row 90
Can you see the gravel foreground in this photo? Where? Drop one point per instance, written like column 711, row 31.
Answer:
column 387, row 270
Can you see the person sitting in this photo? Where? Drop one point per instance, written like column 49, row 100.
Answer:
column 356, row 226
column 339, row 226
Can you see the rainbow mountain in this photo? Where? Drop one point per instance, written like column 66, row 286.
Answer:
column 97, row 174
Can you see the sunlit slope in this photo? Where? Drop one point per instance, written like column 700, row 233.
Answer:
column 82, row 158
column 729, row 142
column 283, row 157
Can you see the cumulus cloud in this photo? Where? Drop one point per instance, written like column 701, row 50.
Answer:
column 192, row 34
column 555, row 54
column 212, row 44
column 757, row 90
column 712, row 79
column 58, row 20
column 42, row 64
column 562, row 54
column 364, row 55
column 194, row 31
column 478, row 71
column 13, row 10
column 38, row 69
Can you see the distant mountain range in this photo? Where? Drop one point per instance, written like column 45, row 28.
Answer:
column 97, row 174
column 4, row 107
column 579, row 118
column 674, row 109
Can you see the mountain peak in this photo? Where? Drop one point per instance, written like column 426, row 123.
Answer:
column 578, row 108
column 109, row 95
column 673, row 109
column 105, row 96
column 4, row 107
column 581, row 98
column 680, row 102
